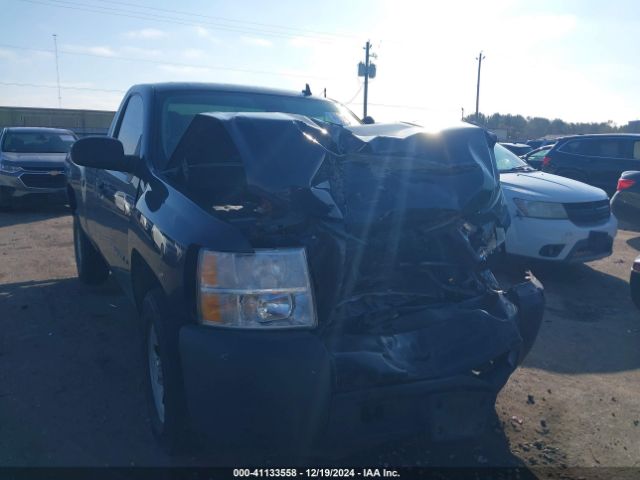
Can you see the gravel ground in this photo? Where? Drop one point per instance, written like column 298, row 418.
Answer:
column 71, row 395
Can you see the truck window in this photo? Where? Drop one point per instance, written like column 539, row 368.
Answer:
column 130, row 130
column 178, row 109
column 636, row 150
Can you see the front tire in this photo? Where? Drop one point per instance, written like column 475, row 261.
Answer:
column 92, row 269
column 164, row 386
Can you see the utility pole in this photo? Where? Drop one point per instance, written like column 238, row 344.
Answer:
column 366, row 76
column 367, row 70
column 462, row 115
column 55, row 48
column 479, row 58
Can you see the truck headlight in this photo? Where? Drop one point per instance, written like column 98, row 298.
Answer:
column 8, row 168
column 264, row 289
column 534, row 209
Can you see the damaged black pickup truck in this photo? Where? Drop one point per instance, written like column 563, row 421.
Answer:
column 302, row 278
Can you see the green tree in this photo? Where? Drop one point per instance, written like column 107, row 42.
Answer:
column 520, row 128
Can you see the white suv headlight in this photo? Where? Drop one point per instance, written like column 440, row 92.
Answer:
column 264, row 289
column 534, row 209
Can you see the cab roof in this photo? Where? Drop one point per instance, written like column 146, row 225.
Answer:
column 219, row 87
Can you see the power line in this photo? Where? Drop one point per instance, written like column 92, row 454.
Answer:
column 225, row 19
column 166, row 19
column 139, row 15
column 160, row 62
column 355, row 94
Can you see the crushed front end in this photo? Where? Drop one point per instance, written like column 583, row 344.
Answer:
column 413, row 332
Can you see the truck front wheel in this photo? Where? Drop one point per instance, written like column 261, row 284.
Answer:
column 92, row 269
column 164, row 386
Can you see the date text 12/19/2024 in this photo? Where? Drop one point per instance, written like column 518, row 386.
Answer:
column 316, row 472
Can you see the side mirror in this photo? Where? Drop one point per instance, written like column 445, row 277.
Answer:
column 492, row 138
column 368, row 120
column 102, row 152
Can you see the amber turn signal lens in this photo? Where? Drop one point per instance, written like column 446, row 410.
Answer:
column 209, row 271
column 210, row 308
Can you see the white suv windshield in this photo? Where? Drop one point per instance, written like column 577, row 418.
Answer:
column 508, row 161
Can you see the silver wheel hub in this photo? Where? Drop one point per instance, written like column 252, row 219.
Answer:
column 155, row 373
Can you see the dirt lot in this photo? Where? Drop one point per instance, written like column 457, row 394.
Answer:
column 70, row 386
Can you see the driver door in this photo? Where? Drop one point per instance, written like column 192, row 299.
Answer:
column 117, row 191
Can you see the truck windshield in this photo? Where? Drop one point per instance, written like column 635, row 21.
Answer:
column 177, row 111
column 37, row 142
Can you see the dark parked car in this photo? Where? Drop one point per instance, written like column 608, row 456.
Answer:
column 625, row 204
column 32, row 162
column 598, row 160
column 518, row 148
column 541, row 142
column 302, row 279
column 535, row 157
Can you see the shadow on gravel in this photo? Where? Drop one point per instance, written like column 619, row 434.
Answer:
column 635, row 244
column 71, row 393
column 489, row 451
column 590, row 324
column 32, row 211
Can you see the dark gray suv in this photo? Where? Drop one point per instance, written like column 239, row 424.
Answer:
column 598, row 160
column 32, row 162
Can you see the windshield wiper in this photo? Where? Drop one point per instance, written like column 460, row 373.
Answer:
column 521, row 168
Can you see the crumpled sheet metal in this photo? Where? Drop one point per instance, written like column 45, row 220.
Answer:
column 451, row 171
column 380, row 210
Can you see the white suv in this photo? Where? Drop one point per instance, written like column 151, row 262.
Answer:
column 553, row 218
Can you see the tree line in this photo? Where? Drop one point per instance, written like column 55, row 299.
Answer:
column 526, row 128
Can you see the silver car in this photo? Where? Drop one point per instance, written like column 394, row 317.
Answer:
column 32, row 161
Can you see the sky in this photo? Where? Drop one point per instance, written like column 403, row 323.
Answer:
column 578, row 60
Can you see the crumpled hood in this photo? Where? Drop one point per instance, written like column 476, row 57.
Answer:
column 396, row 222
column 548, row 187
column 363, row 173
